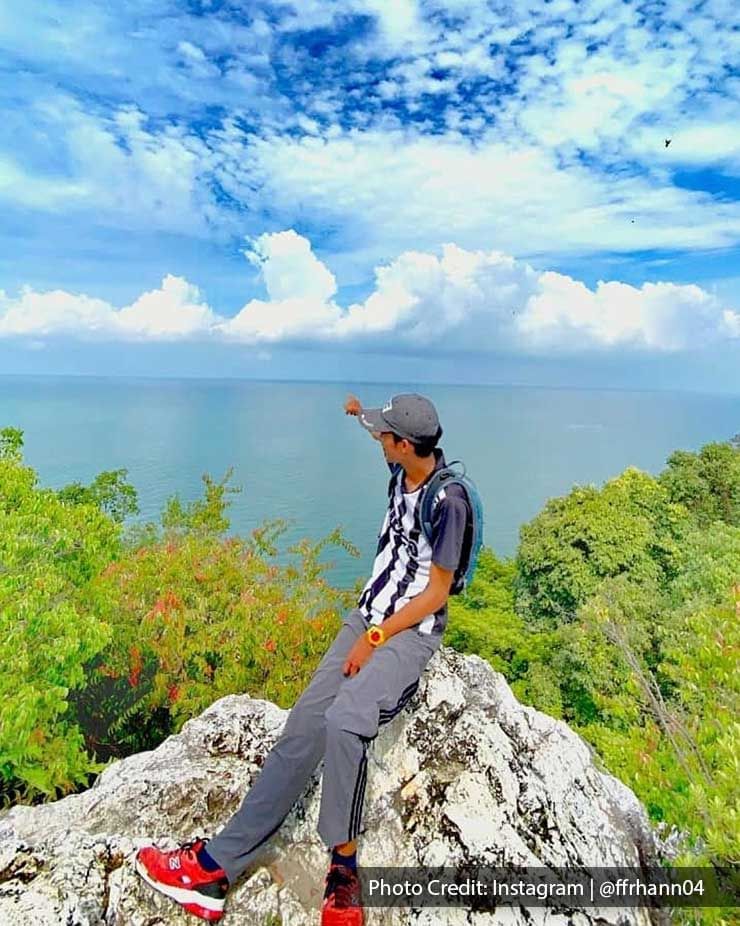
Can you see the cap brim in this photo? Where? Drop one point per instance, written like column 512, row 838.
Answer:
column 372, row 419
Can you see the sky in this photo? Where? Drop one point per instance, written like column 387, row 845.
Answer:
column 542, row 193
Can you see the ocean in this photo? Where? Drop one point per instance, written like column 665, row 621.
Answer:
column 297, row 456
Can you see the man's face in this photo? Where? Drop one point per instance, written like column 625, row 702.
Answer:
column 392, row 451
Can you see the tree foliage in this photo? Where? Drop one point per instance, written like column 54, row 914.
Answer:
column 109, row 491
column 111, row 636
column 629, row 527
column 203, row 515
column 707, row 482
column 196, row 616
column 48, row 552
column 620, row 616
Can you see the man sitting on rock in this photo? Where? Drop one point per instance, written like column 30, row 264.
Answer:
column 364, row 680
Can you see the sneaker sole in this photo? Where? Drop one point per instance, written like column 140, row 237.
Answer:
column 180, row 894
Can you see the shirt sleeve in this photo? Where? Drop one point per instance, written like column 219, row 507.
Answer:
column 449, row 522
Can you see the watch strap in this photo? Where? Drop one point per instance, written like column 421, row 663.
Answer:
column 375, row 635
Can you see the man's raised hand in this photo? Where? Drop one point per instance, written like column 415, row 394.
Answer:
column 352, row 406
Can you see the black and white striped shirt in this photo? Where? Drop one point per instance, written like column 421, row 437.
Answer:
column 404, row 557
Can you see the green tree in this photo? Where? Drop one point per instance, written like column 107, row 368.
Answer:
column 707, row 482
column 635, row 646
column 629, row 527
column 111, row 639
column 708, row 564
column 11, row 444
column 483, row 621
column 664, row 678
column 109, row 491
column 48, row 551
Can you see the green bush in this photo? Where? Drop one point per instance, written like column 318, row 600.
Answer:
column 110, row 638
column 48, row 552
column 195, row 616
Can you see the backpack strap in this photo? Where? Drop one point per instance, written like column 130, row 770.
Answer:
column 395, row 468
column 430, row 492
column 448, row 477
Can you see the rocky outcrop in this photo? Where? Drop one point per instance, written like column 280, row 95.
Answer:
column 465, row 773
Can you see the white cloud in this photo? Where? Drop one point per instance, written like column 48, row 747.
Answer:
column 190, row 51
column 172, row 312
column 300, row 290
column 696, row 143
column 656, row 316
column 196, row 60
column 593, row 102
column 20, row 187
column 460, row 300
column 55, row 312
column 510, row 121
column 117, row 167
column 399, row 20
column 732, row 323
column 488, row 301
column 289, row 267
column 388, row 188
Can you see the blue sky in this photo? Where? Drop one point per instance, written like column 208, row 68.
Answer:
column 410, row 191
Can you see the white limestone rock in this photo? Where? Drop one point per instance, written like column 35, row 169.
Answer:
column 465, row 774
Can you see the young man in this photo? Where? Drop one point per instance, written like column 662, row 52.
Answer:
column 364, row 680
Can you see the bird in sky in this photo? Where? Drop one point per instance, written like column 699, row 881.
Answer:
column 667, row 142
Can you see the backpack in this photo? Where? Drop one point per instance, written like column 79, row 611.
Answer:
column 442, row 478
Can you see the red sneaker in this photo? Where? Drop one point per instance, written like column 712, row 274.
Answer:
column 342, row 898
column 180, row 876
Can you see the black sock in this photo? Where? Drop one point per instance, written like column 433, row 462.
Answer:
column 349, row 860
column 206, row 861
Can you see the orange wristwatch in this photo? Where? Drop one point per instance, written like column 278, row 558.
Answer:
column 375, row 636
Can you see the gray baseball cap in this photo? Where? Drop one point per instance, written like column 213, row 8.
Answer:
column 409, row 415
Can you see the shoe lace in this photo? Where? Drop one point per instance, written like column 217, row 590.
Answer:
column 191, row 848
column 343, row 884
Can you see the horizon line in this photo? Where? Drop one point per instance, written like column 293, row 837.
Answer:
column 368, row 382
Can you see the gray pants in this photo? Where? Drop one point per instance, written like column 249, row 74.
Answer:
column 336, row 718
